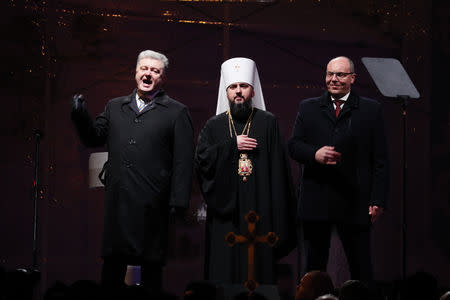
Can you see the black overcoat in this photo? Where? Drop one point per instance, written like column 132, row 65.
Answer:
column 149, row 170
column 340, row 193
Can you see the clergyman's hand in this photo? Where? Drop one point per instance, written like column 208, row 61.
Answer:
column 327, row 156
column 78, row 102
column 375, row 212
column 244, row 143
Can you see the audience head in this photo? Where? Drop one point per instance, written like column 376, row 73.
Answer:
column 19, row 283
column 249, row 296
column 327, row 297
column 84, row 290
column 353, row 290
column 313, row 285
column 446, row 296
column 202, row 290
column 58, row 291
column 421, row 285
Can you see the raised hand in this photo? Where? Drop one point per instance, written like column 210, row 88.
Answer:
column 78, row 102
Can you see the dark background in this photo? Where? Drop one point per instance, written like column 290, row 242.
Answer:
column 52, row 49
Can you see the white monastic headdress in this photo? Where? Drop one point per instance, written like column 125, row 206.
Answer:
column 239, row 69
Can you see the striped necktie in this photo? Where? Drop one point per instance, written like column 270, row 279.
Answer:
column 141, row 104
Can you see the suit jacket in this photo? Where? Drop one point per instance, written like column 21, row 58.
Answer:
column 149, row 169
column 340, row 193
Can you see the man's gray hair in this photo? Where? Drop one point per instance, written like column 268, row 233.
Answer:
column 154, row 55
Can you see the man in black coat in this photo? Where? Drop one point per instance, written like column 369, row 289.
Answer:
column 340, row 144
column 149, row 137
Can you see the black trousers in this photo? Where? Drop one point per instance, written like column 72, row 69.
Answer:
column 355, row 240
column 115, row 268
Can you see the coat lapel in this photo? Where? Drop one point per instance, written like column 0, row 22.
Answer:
column 128, row 102
column 159, row 100
column 133, row 104
column 351, row 104
column 327, row 107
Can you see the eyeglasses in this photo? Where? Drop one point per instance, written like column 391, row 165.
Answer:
column 340, row 75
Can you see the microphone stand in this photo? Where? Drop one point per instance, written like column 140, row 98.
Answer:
column 404, row 102
column 38, row 134
column 29, row 277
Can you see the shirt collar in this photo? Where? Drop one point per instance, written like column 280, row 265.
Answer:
column 344, row 98
column 150, row 98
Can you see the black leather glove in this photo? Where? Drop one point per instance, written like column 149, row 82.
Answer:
column 78, row 103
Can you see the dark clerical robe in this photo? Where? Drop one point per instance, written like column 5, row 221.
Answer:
column 267, row 191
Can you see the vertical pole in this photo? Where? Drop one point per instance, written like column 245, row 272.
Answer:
column 404, row 100
column 37, row 135
column 404, row 103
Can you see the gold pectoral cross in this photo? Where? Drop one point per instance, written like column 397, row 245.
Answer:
column 245, row 166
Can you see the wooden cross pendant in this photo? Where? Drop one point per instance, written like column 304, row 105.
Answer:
column 250, row 239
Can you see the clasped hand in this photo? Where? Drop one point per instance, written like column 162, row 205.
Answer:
column 244, row 143
column 327, row 156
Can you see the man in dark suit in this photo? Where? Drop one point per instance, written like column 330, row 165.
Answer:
column 340, row 144
column 149, row 137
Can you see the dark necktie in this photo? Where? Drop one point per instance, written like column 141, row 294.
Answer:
column 338, row 106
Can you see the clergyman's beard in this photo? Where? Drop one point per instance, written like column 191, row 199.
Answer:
column 241, row 110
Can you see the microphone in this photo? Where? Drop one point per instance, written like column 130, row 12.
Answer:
column 38, row 133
